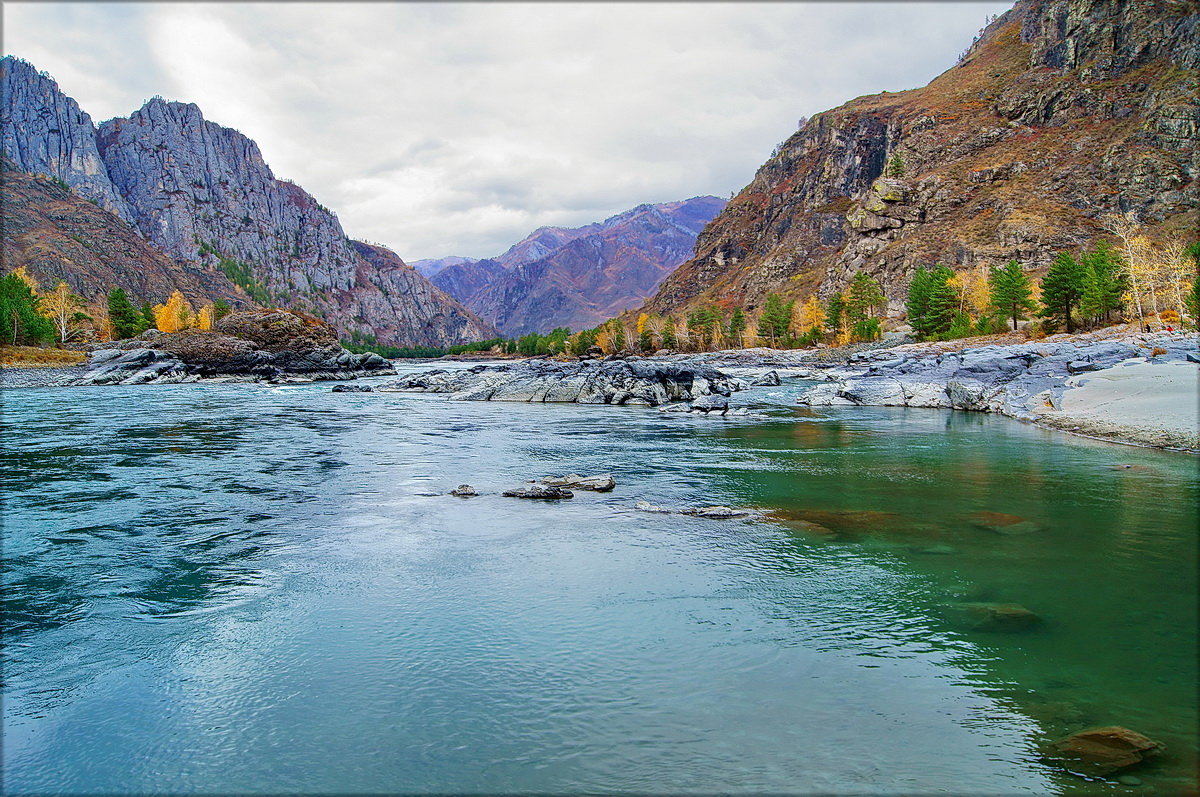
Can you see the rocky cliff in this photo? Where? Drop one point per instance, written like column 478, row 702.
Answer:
column 56, row 234
column 1061, row 112
column 43, row 131
column 204, row 195
column 578, row 277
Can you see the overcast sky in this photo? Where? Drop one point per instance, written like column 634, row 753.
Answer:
column 458, row 128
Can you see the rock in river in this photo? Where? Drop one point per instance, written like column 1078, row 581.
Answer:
column 604, row 483
column 538, row 491
column 997, row 617
column 1102, row 751
column 643, row 383
column 464, row 491
column 1002, row 523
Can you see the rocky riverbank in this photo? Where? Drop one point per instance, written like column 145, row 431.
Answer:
column 1130, row 388
column 623, row 382
column 250, row 346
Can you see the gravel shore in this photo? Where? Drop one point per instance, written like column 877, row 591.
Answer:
column 39, row 377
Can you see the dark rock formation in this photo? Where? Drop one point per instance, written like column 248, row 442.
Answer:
column 589, row 382
column 538, row 491
column 250, row 345
column 1060, row 113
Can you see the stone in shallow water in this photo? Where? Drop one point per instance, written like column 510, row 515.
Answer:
column 717, row 512
column 601, row 484
column 997, row 617
column 1002, row 523
column 463, row 491
column 539, row 491
column 1102, row 751
column 809, row 527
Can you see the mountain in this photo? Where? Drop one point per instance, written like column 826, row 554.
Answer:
column 204, row 195
column 465, row 280
column 57, row 234
column 578, row 277
column 427, row 268
column 1059, row 113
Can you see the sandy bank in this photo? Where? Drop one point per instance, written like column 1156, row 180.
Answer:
column 1147, row 403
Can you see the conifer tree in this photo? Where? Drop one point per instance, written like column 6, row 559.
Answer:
column 775, row 320
column 21, row 320
column 1012, row 293
column 1105, row 281
column 127, row 321
column 221, row 309
column 932, row 302
column 737, row 325
column 1062, row 289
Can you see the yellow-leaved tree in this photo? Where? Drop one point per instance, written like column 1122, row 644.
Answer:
column 65, row 310
column 812, row 315
column 174, row 315
column 204, row 318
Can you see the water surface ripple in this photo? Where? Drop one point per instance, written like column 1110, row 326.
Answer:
column 231, row 588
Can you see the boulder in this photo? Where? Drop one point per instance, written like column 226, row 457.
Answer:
column 1001, row 523
column 353, row 389
column 603, row 483
column 769, row 379
column 539, row 491
column 464, row 491
column 711, row 403
column 1098, row 752
column 997, row 617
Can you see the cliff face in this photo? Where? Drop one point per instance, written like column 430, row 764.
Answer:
column 43, row 131
column 204, row 195
column 1062, row 112
column 56, row 234
column 577, row 278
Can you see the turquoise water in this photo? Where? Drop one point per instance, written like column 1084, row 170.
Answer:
column 230, row 588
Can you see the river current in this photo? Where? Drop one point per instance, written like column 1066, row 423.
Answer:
column 250, row 588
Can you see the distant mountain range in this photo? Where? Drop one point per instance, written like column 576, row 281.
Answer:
column 577, row 277
column 201, row 197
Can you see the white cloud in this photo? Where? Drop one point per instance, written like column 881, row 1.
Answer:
column 456, row 128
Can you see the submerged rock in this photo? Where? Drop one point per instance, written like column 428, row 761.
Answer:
column 603, row 483
column 464, row 491
column 718, row 512
column 997, row 617
column 539, row 491
column 646, row 506
column 1002, row 523
column 353, row 389
column 1101, row 751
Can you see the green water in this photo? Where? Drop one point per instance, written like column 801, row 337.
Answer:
column 257, row 589
column 1111, row 567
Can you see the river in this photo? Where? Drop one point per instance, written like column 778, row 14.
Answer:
column 250, row 588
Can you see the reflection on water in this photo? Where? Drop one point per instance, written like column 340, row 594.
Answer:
column 244, row 588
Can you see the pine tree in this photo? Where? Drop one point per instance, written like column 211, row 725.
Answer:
column 221, row 309
column 737, row 325
column 21, row 320
column 932, row 302
column 1012, row 293
column 835, row 313
column 776, row 319
column 127, row 321
column 1105, row 281
column 1062, row 289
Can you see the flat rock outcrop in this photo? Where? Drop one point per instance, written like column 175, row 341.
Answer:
column 247, row 346
column 1025, row 381
column 639, row 382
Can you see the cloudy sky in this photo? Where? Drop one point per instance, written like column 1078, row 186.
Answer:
column 458, row 128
